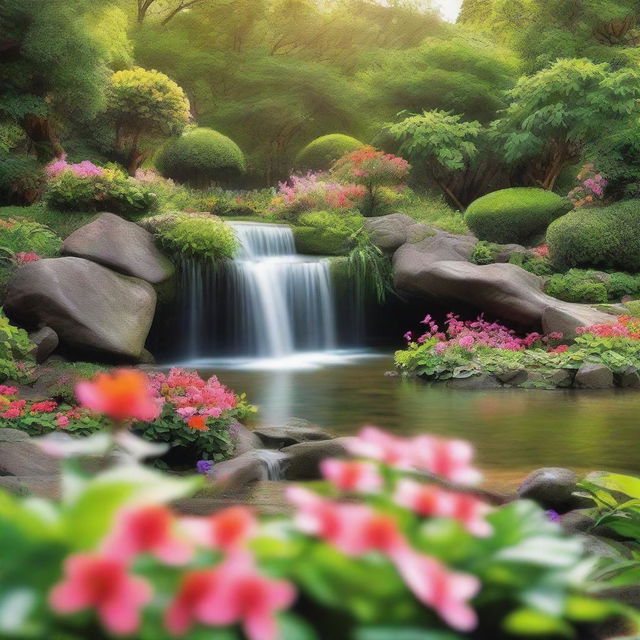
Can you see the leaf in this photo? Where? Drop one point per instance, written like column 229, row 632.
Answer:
column 529, row 622
column 395, row 633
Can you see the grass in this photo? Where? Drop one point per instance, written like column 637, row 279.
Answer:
column 432, row 210
column 64, row 224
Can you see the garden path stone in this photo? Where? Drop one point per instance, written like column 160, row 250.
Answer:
column 120, row 245
column 96, row 312
column 46, row 342
column 303, row 460
column 592, row 375
column 551, row 487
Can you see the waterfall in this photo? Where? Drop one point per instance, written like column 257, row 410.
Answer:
column 269, row 302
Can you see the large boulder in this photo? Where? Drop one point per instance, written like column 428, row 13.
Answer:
column 593, row 375
column 438, row 267
column 20, row 456
column 121, row 245
column 303, row 460
column 293, row 432
column 551, row 487
column 94, row 311
column 392, row 231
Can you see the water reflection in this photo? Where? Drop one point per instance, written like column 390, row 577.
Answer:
column 512, row 429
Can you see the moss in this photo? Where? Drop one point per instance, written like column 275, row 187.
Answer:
column 61, row 223
column 322, row 152
column 594, row 287
column 514, row 215
column 200, row 157
column 313, row 241
column 602, row 237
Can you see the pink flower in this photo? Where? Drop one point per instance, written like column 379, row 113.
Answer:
column 147, row 529
column 62, row 421
column 408, row 336
column 227, row 530
column 450, row 459
column 430, row 501
column 24, row 257
column 48, row 406
column 7, row 391
column 234, row 593
column 352, row 475
column 378, row 445
column 466, row 342
column 93, row 581
column 186, row 412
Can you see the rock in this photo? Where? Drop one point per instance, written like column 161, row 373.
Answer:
column 293, row 432
column 24, row 458
column 594, row 546
column 438, row 267
column 475, row 383
column 303, row 460
column 238, row 473
column 243, row 439
column 562, row 378
column 41, row 486
column 12, row 435
column 592, row 375
column 551, row 487
column 512, row 376
column 120, row 245
column 505, row 251
column 46, row 342
column 629, row 379
column 579, row 521
column 95, row 311
column 389, row 232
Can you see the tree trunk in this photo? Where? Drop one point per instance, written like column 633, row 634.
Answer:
column 46, row 143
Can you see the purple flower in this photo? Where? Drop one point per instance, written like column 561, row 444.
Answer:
column 204, row 466
column 554, row 516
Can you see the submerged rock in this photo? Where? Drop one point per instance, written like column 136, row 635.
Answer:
column 303, row 460
column 95, row 312
column 121, row 245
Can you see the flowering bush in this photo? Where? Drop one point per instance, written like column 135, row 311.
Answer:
column 315, row 191
column 86, row 187
column 590, row 191
column 373, row 170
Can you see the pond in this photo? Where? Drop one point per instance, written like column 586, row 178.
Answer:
column 513, row 430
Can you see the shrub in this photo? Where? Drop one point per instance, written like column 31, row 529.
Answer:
column 578, row 286
column 198, row 237
column 603, row 237
column 514, row 215
column 373, row 170
column 21, row 179
column 15, row 348
column 322, row 152
column 18, row 236
column 483, row 253
column 85, row 187
column 201, row 157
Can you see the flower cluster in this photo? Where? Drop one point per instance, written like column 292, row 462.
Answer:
column 479, row 332
column 371, row 168
column 625, row 327
column 24, row 257
column 541, row 251
column 591, row 189
column 194, row 399
column 84, row 169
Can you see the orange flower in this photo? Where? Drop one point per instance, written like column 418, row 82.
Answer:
column 124, row 394
column 199, row 423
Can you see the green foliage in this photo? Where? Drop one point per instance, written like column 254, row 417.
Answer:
column 319, row 241
column 370, row 267
column 112, row 191
column 21, row 178
column 593, row 286
column 200, row 157
column 555, row 113
column 483, row 253
column 431, row 210
column 322, row 152
column 198, row 237
column 62, row 224
column 26, row 236
column 514, row 215
column 15, row 347
column 603, row 237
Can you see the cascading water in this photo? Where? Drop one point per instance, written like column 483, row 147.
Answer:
column 269, row 302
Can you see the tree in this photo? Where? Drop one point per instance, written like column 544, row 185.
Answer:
column 166, row 10
column 445, row 147
column 51, row 68
column 144, row 106
column 555, row 113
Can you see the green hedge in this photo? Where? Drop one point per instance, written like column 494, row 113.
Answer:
column 514, row 215
column 200, row 157
column 603, row 237
column 322, row 152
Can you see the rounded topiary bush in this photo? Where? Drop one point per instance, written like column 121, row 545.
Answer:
column 604, row 237
column 200, row 158
column 322, row 152
column 514, row 215
column 197, row 237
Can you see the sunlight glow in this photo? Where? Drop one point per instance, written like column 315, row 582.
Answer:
column 449, row 9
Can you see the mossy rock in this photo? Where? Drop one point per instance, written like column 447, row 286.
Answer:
column 313, row 241
column 514, row 215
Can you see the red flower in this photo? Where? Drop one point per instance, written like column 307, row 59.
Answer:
column 198, row 423
column 122, row 395
column 93, row 581
column 227, row 530
column 48, row 406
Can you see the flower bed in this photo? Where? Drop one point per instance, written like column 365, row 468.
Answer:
column 464, row 349
column 187, row 412
column 386, row 547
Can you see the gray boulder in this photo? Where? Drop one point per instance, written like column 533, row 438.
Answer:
column 475, row 383
column 629, row 379
column 19, row 456
column 93, row 310
column 120, row 245
column 551, row 487
column 45, row 341
column 243, row 439
column 293, row 432
column 592, row 375
column 303, row 460
column 566, row 317
column 389, row 232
